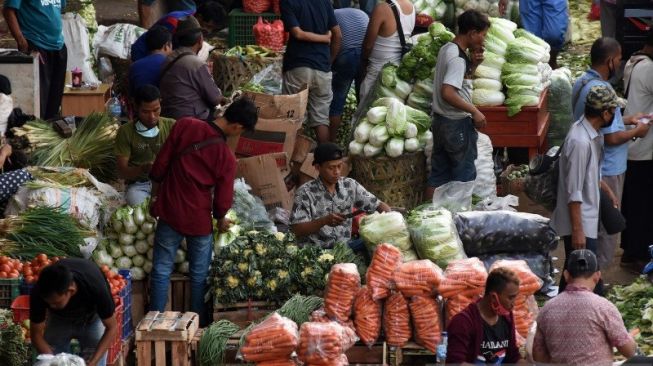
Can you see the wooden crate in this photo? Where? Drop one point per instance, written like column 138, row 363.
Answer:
column 243, row 313
column 178, row 294
column 410, row 354
column 361, row 354
column 170, row 331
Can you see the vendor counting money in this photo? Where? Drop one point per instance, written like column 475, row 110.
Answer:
column 321, row 205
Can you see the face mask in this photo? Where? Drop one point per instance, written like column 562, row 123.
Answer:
column 145, row 132
column 497, row 307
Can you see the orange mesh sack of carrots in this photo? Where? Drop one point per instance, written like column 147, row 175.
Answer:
column 341, row 289
column 324, row 343
column 273, row 339
column 524, row 312
column 319, row 316
column 277, row 363
column 385, row 261
column 396, row 320
column 367, row 316
column 417, row 278
column 462, row 284
column 425, row 312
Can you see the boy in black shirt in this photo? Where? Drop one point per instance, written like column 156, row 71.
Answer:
column 79, row 305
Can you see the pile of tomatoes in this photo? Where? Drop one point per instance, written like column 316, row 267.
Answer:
column 10, row 268
column 115, row 280
column 32, row 269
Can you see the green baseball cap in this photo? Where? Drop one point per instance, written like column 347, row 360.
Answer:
column 601, row 97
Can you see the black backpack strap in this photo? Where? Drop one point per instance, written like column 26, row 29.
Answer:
column 200, row 145
column 173, row 62
column 400, row 29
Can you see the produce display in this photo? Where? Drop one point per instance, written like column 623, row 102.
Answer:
column 462, row 284
column 487, row 83
column 418, row 64
column 520, row 172
column 29, row 269
column 341, row 290
column 417, row 278
column 11, row 268
column 13, row 349
column 425, row 312
column 367, row 316
column 324, row 343
column 635, row 303
column 396, row 320
column 213, row 343
column 385, row 261
column 274, row 339
column 434, row 235
column 388, row 227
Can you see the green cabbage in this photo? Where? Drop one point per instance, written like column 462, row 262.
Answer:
column 493, row 60
column 515, row 103
column 377, row 115
column 396, row 119
column 437, row 28
column 488, row 84
column 512, row 26
column 419, row 102
column 517, row 68
column 418, row 118
column 395, row 147
column 495, row 45
column 434, row 234
column 483, row 97
column 487, row 72
column 501, row 32
column 533, row 38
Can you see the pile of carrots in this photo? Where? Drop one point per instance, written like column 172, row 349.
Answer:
column 367, row 316
column 273, row 340
column 425, row 312
column 396, row 320
column 417, row 278
column 341, row 289
column 525, row 309
column 462, row 284
column 324, row 343
column 379, row 276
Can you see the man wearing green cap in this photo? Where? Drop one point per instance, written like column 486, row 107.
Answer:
column 576, row 216
column 322, row 207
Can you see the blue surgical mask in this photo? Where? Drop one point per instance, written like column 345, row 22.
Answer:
column 146, row 132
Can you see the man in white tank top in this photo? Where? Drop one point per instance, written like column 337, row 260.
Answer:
column 382, row 44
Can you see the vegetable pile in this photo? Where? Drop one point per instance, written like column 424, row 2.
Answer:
column 367, row 316
column 341, row 290
column 274, row 339
column 213, row 343
column 418, row 64
column 396, row 321
column 31, row 269
column 324, row 343
column 425, row 312
column 560, row 106
column 417, row 278
column 13, row 349
column 487, row 82
column 635, row 303
column 385, row 260
column 250, row 51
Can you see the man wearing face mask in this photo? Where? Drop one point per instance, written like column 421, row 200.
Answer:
column 484, row 333
column 138, row 143
column 576, row 216
column 606, row 57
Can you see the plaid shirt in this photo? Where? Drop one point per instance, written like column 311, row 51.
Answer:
column 313, row 201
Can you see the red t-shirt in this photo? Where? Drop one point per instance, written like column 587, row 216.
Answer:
column 187, row 182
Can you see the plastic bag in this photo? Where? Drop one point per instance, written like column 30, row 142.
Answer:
column 434, row 235
column 504, row 231
column 273, row 339
column 506, row 203
column 454, row 196
column 62, row 359
column 560, row 107
column 367, row 316
column 385, row 260
column 324, row 343
column 425, row 312
column 539, row 263
column 270, row 78
column 116, row 40
column 462, row 284
column 485, row 184
column 256, row 6
column 387, row 227
column 77, row 42
column 341, row 289
column 396, row 320
column 250, row 209
column 270, row 35
column 417, row 278
column 277, row 363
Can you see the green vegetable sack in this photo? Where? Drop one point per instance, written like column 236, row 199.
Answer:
column 434, row 234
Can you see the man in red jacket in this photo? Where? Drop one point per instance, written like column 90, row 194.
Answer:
column 192, row 183
column 484, row 333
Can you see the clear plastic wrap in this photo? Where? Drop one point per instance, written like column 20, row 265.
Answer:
column 319, row 316
column 341, row 289
column 367, row 316
column 462, row 284
column 396, row 320
column 387, row 227
column 250, row 209
column 276, row 338
column 425, row 312
column 488, row 232
column 287, row 362
column 62, row 359
column 485, row 184
column 417, row 278
column 324, row 343
column 434, row 235
column 454, row 196
column 385, row 261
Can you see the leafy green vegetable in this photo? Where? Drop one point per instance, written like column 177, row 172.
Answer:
column 420, row 102
column 433, row 232
column 516, row 103
column 487, row 84
column 519, row 68
column 389, row 75
column 389, row 227
column 484, row 97
column 531, row 37
column 487, row 72
column 522, row 50
column 501, row 32
column 495, row 45
column 520, row 79
column 396, row 119
column 418, row 118
column 377, row 115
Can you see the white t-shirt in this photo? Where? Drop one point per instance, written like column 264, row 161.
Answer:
column 640, row 99
column 452, row 69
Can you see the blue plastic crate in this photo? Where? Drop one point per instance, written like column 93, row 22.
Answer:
column 126, row 298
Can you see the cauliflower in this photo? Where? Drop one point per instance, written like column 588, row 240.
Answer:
column 283, row 274
column 306, row 272
column 280, row 236
column 260, row 249
column 292, row 249
column 272, row 285
column 251, row 282
column 243, row 267
column 232, row 282
column 326, row 257
column 247, row 252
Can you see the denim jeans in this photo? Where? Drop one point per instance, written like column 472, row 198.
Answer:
column 166, row 242
column 591, row 244
column 88, row 331
column 138, row 192
column 345, row 69
column 454, row 151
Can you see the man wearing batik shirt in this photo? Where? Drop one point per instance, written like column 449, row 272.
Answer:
column 321, row 208
column 578, row 327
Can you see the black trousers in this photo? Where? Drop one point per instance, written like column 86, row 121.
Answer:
column 590, row 244
column 52, row 78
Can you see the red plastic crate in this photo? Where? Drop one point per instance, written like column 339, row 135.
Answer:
column 116, row 346
column 20, row 308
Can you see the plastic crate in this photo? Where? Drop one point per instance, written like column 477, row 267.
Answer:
column 240, row 26
column 20, row 308
column 116, row 346
column 9, row 290
column 126, row 298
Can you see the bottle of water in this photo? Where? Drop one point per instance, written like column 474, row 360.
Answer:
column 441, row 351
column 114, row 107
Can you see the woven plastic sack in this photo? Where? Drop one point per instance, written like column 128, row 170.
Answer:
column 417, row 278
column 396, row 320
column 273, row 339
column 367, row 317
column 341, row 290
column 385, row 261
column 485, row 184
column 425, row 312
column 256, row 6
column 270, row 35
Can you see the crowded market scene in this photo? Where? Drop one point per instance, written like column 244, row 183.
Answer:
column 326, row 182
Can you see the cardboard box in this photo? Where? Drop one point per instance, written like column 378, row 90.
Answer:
column 303, row 146
column 291, row 106
column 271, row 136
column 264, row 175
column 308, row 171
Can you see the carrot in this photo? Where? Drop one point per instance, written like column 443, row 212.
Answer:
column 324, row 343
column 367, row 316
column 396, row 320
column 385, row 261
column 417, row 278
column 273, row 339
column 425, row 312
column 342, row 286
column 279, row 362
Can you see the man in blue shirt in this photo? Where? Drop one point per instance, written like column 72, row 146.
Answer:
column 353, row 23
column 148, row 69
column 313, row 46
column 36, row 26
column 605, row 57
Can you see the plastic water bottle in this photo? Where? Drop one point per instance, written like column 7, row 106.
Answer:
column 441, row 350
column 114, row 107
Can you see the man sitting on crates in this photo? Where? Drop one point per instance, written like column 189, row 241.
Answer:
column 322, row 211
column 76, row 296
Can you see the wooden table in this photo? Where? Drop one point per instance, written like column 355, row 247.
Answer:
column 526, row 129
column 84, row 101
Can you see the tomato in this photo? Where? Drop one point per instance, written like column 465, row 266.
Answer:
column 18, row 266
column 29, row 280
column 42, row 257
column 4, row 260
column 13, row 274
column 105, row 269
column 5, row 268
column 3, row 274
column 27, row 272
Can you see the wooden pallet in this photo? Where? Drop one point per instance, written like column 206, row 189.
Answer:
column 243, row 313
column 410, row 354
column 170, row 330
